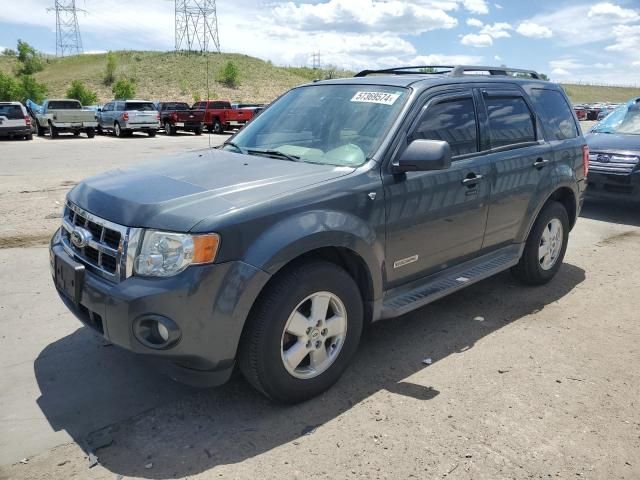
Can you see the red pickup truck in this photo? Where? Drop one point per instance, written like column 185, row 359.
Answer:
column 176, row 116
column 219, row 116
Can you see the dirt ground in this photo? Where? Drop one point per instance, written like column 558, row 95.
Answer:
column 524, row 382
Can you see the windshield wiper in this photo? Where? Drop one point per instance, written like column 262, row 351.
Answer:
column 237, row 147
column 274, row 153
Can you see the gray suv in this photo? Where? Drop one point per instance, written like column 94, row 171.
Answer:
column 345, row 202
column 123, row 117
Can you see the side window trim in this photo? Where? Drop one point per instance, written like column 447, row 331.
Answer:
column 448, row 97
column 487, row 92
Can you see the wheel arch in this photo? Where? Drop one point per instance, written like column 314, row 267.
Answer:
column 564, row 194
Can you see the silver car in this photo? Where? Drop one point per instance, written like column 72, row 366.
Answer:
column 123, row 117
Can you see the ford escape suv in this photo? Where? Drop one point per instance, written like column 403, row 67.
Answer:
column 345, row 202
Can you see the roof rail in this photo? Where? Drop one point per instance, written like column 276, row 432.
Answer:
column 454, row 71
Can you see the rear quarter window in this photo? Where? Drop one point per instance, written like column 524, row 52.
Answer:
column 556, row 113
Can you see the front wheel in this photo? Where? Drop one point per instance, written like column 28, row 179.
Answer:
column 546, row 245
column 303, row 332
column 90, row 132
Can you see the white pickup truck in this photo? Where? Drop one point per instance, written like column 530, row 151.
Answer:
column 55, row 116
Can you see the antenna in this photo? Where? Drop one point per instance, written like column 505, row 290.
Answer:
column 68, row 40
column 196, row 25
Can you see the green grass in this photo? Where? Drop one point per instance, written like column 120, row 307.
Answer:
column 171, row 76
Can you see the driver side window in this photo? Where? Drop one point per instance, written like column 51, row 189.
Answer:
column 452, row 120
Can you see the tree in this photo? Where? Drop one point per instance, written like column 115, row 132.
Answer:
column 29, row 60
column 123, row 89
column 32, row 89
column 10, row 89
column 229, row 75
column 110, row 69
column 80, row 92
column 9, row 52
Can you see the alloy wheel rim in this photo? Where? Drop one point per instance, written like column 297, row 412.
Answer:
column 550, row 244
column 314, row 335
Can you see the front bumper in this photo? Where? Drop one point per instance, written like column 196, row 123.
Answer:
column 620, row 187
column 209, row 303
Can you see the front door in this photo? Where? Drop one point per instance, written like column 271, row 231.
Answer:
column 437, row 219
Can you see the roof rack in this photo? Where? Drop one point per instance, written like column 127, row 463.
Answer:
column 451, row 70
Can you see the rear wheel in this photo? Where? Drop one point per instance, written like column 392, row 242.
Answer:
column 168, row 129
column 197, row 131
column 546, row 246
column 53, row 131
column 117, row 130
column 217, row 127
column 302, row 333
column 151, row 133
column 90, row 132
column 76, row 133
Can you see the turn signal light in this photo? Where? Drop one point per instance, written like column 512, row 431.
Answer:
column 205, row 248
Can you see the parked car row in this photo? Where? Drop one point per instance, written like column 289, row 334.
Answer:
column 121, row 117
column 594, row 111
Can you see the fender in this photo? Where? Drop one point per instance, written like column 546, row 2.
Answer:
column 308, row 231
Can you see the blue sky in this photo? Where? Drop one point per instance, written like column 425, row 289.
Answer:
column 591, row 41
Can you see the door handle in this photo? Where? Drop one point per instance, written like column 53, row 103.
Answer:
column 471, row 181
column 540, row 163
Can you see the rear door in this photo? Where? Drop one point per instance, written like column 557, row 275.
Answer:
column 521, row 160
column 437, row 219
column 11, row 116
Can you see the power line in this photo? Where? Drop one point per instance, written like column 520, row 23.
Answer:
column 196, row 27
column 315, row 60
column 68, row 39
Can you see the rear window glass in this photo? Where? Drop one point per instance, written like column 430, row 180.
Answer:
column 556, row 113
column 176, row 106
column 64, row 105
column 453, row 121
column 141, row 106
column 12, row 112
column 510, row 121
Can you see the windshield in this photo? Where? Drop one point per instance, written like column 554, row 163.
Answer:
column 328, row 124
column 624, row 120
column 64, row 105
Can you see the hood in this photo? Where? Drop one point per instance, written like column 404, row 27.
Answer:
column 178, row 192
column 602, row 142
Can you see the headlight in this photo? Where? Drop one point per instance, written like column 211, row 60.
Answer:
column 164, row 254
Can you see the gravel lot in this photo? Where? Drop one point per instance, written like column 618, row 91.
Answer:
column 525, row 382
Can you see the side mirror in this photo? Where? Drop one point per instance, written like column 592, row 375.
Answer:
column 99, row 109
column 424, row 155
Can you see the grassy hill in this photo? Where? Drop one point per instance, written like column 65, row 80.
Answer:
column 170, row 76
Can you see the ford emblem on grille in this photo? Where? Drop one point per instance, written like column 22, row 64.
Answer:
column 80, row 237
column 603, row 158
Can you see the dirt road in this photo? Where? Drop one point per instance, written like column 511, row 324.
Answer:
column 524, row 383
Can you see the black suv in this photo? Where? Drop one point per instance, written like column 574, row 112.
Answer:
column 345, row 202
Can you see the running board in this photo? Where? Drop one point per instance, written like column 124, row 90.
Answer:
column 418, row 293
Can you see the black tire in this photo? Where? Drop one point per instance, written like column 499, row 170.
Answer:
column 151, row 133
column 217, row 127
column 53, row 131
column 90, row 132
column 40, row 131
column 197, row 131
column 117, row 130
column 260, row 354
column 76, row 133
column 168, row 129
column 530, row 269
column 99, row 130
column 29, row 136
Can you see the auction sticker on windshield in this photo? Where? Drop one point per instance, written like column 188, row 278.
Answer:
column 376, row 97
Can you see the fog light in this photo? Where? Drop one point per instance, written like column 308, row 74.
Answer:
column 156, row 331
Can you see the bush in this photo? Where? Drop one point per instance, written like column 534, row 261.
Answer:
column 196, row 97
column 10, row 90
column 123, row 89
column 80, row 92
column 29, row 60
column 9, row 52
column 229, row 75
column 110, row 69
column 32, row 89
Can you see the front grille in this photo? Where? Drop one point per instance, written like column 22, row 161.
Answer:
column 615, row 163
column 106, row 244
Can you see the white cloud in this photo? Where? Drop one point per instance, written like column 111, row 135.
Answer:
column 497, row 30
column 477, row 40
column 626, row 38
column 474, row 22
column 476, row 6
column 534, row 30
column 498, row 6
column 362, row 16
column 611, row 10
column 561, row 72
column 437, row 59
column 497, row 58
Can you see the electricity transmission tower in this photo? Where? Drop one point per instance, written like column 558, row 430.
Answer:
column 68, row 40
column 196, row 26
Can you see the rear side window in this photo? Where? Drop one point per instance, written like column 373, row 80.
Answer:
column 141, row 106
column 12, row 112
column 510, row 121
column 556, row 113
column 453, row 121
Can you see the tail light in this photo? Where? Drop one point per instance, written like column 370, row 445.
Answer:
column 125, row 116
column 174, row 116
column 158, row 116
column 27, row 120
column 585, row 159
